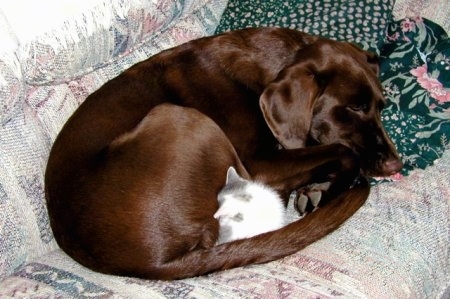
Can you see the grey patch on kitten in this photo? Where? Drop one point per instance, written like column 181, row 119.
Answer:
column 247, row 208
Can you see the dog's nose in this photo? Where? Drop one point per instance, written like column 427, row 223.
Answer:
column 392, row 166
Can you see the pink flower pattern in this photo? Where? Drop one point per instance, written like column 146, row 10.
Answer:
column 408, row 25
column 430, row 84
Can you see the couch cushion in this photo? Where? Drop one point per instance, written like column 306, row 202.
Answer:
column 24, row 227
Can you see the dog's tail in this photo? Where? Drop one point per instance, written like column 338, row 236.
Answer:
column 265, row 247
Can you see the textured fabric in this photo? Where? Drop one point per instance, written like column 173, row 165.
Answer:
column 84, row 44
column 362, row 22
column 436, row 10
column 96, row 36
column 12, row 87
column 11, row 83
column 90, row 39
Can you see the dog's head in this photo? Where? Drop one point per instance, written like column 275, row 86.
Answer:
column 331, row 94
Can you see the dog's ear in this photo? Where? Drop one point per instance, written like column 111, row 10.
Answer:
column 287, row 105
column 374, row 62
column 372, row 59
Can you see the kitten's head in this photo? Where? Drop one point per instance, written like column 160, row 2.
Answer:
column 233, row 197
column 247, row 208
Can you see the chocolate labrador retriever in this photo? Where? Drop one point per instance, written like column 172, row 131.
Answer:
column 133, row 177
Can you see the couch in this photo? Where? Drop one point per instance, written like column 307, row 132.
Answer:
column 54, row 53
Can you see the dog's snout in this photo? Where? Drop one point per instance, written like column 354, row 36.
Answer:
column 392, row 166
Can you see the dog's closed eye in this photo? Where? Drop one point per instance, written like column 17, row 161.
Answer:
column 359, row 107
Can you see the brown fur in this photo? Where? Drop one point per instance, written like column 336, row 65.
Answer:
column 131, row 182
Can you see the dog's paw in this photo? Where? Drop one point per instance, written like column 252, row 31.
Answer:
column 307, row 200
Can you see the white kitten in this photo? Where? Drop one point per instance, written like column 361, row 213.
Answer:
column 247, row 208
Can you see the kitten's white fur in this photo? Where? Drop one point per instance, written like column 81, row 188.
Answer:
column 247, row 208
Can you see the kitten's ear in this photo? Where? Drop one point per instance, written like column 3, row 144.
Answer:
column 232, row 175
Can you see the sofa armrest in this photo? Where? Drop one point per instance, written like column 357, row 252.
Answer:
column 11, row 83
column 71, row 38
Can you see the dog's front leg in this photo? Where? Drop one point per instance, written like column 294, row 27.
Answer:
column 288, row 170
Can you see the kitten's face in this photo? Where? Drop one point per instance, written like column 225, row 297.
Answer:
column 232, row 206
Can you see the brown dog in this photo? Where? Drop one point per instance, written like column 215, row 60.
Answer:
column 131, row 183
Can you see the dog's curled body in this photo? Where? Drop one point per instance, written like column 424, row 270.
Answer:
column 131, row 182
column 130, row 198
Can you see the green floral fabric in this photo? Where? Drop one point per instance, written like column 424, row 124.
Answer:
column 415, row 73
column 358, row 21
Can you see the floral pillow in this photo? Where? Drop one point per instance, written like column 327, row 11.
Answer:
column 415, row 73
